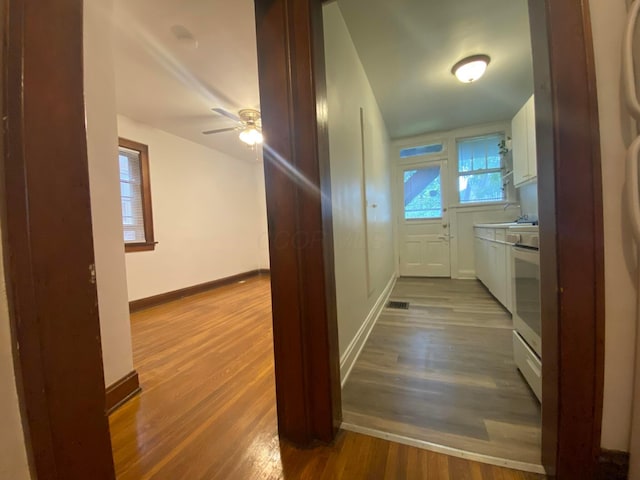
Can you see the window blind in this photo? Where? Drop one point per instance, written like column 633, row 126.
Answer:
column 480, row 170
column 131, row 195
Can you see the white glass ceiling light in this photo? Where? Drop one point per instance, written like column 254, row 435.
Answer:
column 251, row 136
column 470, row 69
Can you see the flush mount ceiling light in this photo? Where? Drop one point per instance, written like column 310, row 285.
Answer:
column 470, row 69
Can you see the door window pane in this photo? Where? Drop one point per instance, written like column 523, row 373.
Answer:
column 422, row 193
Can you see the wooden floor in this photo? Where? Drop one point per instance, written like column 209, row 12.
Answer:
column 443, row 372
column 207, row 409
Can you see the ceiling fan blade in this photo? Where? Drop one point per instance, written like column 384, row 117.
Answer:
column 227, row 114
column 219, row 130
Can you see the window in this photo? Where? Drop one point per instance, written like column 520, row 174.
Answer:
column 422, row 150
column 423, row 193
column 480, row 170
column 135, row 196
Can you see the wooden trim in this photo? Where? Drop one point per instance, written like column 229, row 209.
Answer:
column 612, row 465
column 571, row 236
column 142, row 303
column 139, row 247
column 48, row 243
column 121, row 391
column 292, row 86
column 147, row 210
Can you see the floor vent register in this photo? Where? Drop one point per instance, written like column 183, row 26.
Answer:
column 398, row 305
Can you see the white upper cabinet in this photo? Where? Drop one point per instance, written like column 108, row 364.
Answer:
column 523, row 135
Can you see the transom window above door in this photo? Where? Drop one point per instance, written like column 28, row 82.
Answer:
column 430, row 149
column 423, row 193
column 480, row 169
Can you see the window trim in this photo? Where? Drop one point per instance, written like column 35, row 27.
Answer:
column 145, row 192
column 505, row 195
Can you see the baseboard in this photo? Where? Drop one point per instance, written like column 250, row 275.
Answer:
column 352, row 352
column 121, row 391
column 161, row 298
column 612, row 465
column 466, row 275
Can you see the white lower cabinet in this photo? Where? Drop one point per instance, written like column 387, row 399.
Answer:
column 493, row 264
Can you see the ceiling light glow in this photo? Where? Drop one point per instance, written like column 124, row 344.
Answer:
column 251, row 136
column 471, row 69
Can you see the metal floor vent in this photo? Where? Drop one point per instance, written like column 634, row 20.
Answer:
column 398, row 305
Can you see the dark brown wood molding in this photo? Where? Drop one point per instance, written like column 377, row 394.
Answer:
column 121, row 391
column 292, row 85
column 142, row 303
column 571, row 236
column 48, row 243
column 613, row 465
column 139, row 247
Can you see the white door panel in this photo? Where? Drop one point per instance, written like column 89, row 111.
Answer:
column 423, row 225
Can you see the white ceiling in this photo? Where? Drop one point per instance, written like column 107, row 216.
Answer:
column 408, row 47
column 173, row 86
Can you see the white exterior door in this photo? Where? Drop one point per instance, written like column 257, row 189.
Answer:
column 423, row 226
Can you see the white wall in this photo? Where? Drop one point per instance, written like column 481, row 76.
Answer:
column 529, row 199
column 607, row 22
column 208, row 214
column 461, row 217
column 263, row 230
column 348, row 91
column 104, row 182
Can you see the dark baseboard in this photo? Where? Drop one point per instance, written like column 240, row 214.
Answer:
column 121, row 391
column 161, row 298
column 613, row 465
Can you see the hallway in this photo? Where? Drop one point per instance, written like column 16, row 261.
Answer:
column 442, row 372
column 207, row 407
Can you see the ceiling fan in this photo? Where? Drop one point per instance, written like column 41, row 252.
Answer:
column 249, row 125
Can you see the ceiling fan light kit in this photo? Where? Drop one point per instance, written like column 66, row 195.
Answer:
column 250, row 128
column 471, row 69
column 251, row 136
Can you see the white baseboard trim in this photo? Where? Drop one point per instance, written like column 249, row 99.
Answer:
column 452, row 452
column 465, row 275
column 351, row 354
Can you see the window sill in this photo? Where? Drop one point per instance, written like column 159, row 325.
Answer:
column 139, row 247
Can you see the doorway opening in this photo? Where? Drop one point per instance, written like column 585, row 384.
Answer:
column 48, row 329
column 448, row 174
column 179, row 215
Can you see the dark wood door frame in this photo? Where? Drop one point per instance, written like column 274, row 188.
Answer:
column 572, row 239
column 48, row 247
column 48, row 242
column 296, row 158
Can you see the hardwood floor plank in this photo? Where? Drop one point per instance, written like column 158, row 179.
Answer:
column 443, row 372
column 207, row 408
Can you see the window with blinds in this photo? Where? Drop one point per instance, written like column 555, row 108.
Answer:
column 135, row 196
column 480, row 169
